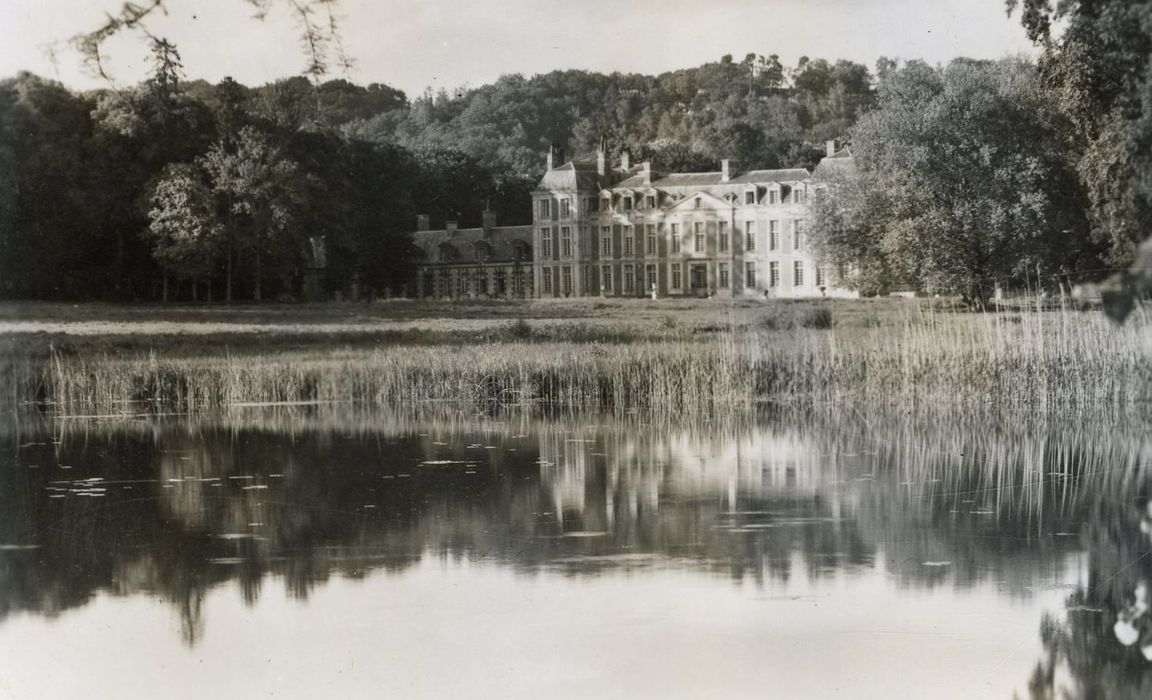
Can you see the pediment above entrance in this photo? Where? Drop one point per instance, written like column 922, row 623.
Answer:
column 699, row 200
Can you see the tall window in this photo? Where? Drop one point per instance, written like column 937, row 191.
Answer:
column 750, row 275
column 722, row 273
column 722, row 235
column 628, row 241
column 565, row 241
column 820, row 280
column 605, row 241
column 546, row 243
column 797, row 273
column 676, row 281
column 545, row 208
column 773, row 274
column 698, row 236
column 797, row 233
column 749, row 235
column 606, row 277
column 773, row 235
column 650, row 275
column 546, row 280
column 566, row 280
column 629, row 279
column 750, row 197
column 650, row 240
column 565, row 208
column 675, row 241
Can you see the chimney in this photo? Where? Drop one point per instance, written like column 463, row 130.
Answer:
column 450, row 226
column 646, row 172
column 727, row 169
column 489, row 220
column 422, row 222
column 555, row 156
column 602, row 157
column 625, row 160
column 830, row 146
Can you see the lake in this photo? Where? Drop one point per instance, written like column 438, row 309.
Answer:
column 347, row 551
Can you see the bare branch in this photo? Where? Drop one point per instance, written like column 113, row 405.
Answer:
column 130, row 18
column 319, row 33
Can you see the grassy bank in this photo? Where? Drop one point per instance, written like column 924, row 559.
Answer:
column 915, row 358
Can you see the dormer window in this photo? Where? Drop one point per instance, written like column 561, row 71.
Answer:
column 607, row 203
column 773, row 196
column 627, row 204
column 696, row 204
column 650, row 201
column 750, row 197
column 798, row 194
column 481, row 251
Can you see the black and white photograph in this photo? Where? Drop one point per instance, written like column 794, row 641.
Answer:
column 525, row 349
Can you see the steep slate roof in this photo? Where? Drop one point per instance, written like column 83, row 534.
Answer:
column 714, row 179
column 572, row 176
column 840, row 164
column 502, row 242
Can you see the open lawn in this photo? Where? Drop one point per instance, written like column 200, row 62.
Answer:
column 29, row 328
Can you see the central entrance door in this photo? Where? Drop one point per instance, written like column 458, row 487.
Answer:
column 698, row 278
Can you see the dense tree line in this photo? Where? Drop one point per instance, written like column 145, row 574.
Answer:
column 965, row 179
column 185, row 189
column 1007, row 172
column 755, row 110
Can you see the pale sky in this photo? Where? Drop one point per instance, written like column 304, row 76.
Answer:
column 451, row 43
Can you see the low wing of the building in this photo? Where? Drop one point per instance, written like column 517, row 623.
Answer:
column 490, row 262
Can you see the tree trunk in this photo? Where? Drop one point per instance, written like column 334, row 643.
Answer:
column 119, row 261
column 209, row 299
column 228, row 276
column 165, row 297
column 257, row 291
column 195, row 293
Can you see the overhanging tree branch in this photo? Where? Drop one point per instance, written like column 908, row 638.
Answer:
column 316, row 21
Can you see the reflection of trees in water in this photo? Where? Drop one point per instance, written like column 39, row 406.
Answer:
column 303, row 495
column 1102, row 645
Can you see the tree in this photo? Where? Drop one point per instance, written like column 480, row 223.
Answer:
column 261, row 186
column 847, row 219
column 966, row 178
column 1096, row 59
column 186, row 234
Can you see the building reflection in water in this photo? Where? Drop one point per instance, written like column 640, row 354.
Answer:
column 176, row 506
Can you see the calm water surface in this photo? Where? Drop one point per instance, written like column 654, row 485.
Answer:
column 339, row 552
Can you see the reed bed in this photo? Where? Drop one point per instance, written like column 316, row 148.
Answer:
column 1031, row 359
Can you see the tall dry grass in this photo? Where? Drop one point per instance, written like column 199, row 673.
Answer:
column 1029, row 359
